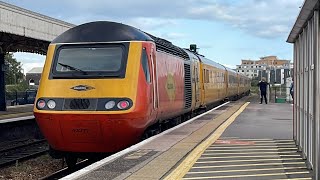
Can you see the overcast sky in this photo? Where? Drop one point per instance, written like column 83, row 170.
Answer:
column 226, row 31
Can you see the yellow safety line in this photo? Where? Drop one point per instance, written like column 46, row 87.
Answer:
column 230, row 157
column 275, row 149
column 246, row 165
column 187, row 163
column 249, row 175
column 249, row 160
column 246, row 170
column 15, row 115
column 250, row 153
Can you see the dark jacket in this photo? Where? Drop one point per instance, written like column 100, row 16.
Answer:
column 263, row 86
column 291, row 89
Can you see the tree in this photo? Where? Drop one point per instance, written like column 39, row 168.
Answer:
column 14, row 73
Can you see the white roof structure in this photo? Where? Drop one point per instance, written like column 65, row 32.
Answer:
column 35, row 70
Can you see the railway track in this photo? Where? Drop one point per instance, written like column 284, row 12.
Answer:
column 66, row 171
column 21, row 150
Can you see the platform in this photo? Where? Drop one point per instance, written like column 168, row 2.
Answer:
column 257, row 144
column 15, row 113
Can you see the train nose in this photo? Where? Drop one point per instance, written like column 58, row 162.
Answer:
column 82, row 131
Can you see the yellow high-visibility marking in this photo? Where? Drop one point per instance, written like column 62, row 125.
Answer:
column 249, row 160
column 249, row 175
column 275, row 149
column 250, row 153
column 187, row 163
column 247, row 165
column 15, row 115
column 230, row 157
column 246, row 170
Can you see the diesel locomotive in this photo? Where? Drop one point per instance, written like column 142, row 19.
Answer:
column 105, row 83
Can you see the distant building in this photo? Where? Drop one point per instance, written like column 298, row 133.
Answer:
column 33, row 76
column 273, row 69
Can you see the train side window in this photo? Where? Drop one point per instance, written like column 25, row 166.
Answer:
column 145, row 65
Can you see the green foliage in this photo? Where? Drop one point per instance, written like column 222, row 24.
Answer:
column 254, row 83
column 23, row 86
column 14, row 74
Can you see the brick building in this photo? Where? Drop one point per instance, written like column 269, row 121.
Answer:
column 273, row 69
column 33, row 76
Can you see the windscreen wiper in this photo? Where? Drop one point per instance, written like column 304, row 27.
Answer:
column 73, row 68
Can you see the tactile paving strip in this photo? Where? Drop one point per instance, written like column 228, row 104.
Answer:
column 250, row 159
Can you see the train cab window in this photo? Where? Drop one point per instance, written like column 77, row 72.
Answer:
column 90, row 61
column 145, row 65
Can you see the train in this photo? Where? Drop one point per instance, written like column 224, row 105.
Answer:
column 105, row 84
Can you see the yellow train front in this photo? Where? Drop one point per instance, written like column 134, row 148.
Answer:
column 104, row 84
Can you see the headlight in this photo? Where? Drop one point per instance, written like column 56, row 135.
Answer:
column 41, row 104
column 110, row 105
column 51, row 104
column 123, row 104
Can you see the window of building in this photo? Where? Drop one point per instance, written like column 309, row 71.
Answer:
column 247, row 70
column 242, row 70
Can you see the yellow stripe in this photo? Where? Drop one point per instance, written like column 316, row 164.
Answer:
column 15, row 115
column 246, row 170
column 250, row 160
column 229, row 157
column 187, row 163
column 250, row 153
column 247, row 165
column 249, row 175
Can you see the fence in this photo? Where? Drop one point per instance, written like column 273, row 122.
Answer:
column 280, row 94
column 20, row 98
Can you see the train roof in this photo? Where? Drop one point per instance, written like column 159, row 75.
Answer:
column 102, row 31
column 230, row 70
column 105, row 31
column 210, row 62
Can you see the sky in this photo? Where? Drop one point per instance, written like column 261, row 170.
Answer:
column 226, row 31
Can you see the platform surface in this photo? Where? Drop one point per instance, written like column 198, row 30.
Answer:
column 256, row 145
column 15, row 113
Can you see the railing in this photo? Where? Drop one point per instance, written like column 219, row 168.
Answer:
column 280, row 94
column 20, row 98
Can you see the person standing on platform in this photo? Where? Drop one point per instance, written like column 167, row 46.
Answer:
column 263, row 90
column 291, row 89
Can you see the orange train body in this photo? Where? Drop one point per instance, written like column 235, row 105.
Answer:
column 100, row 91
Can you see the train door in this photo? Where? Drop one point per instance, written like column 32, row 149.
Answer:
column 154, row 80
column 196, row 82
